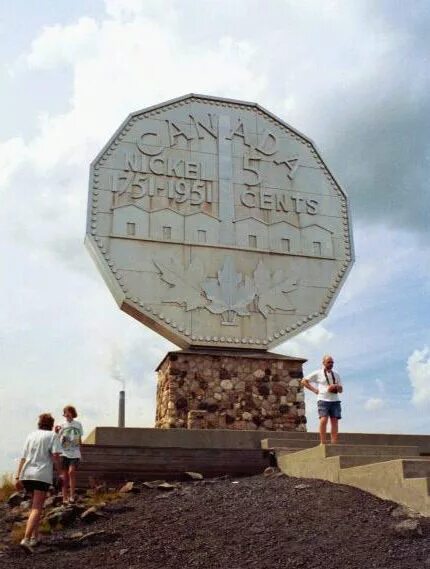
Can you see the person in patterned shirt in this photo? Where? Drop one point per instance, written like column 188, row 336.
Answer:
column 70, row 434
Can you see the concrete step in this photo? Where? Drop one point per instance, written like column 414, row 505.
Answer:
column 359, row 438
column 355, row 438
column 295, row 441
column 296, row 445
column 290, row 443
column 392, row 472
column 369, row 450
column 419, row 484
column 386, row 480
column 350, row 461
column 314, row 463
column 326, row 451
column 326, row 461
column 422, row 441
column 416, row 468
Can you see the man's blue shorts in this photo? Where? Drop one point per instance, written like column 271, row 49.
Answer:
column 329, row 409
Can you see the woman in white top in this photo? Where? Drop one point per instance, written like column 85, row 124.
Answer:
column 35, row 472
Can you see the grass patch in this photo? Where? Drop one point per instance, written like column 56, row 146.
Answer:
column 45, row 527
column 98, row 498
column 17, row 532
column 7, row 487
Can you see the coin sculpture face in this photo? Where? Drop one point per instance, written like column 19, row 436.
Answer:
column 216, row 224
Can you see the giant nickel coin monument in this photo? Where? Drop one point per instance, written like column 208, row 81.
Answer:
column 220, row 227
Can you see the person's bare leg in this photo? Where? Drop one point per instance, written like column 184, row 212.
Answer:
column 32, row 527
column 72, row 480
column 323, row 430
column 65, row 485
column 334, row 430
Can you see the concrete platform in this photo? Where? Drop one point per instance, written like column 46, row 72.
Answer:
column 114, row 454
column 114, row 464
column 187, row 438
column 391, row 466
column 227, row 438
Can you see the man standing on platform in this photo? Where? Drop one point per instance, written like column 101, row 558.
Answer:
column 326, row 384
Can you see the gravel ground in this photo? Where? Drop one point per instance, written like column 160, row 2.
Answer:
column 255, row 522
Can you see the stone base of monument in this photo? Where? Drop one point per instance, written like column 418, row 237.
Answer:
column 230, row 389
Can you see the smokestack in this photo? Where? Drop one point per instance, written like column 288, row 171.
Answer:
column 121, row 409
column 117, row 376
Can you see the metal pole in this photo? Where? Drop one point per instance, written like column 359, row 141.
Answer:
column 121, row 410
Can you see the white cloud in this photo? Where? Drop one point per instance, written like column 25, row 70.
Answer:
column 317, row 336
column 12, row 155
column 108, row 82
column 315, row 341
column 384, row 257
column 153, row 64
column 419, row 375
column 374, row 404
column 124, row 9
column 59, row 44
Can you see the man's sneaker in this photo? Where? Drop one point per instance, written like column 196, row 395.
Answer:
column 34, row 541
column 72, row 501
column 26, row 544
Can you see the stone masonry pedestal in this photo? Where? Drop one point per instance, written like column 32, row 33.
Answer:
column 223, row 389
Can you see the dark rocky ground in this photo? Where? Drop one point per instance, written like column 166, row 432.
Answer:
column 256, row 522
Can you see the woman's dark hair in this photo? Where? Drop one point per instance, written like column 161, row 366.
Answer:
column 46, row 422
column 71, row 410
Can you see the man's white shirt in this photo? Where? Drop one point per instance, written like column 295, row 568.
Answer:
column 319, row 379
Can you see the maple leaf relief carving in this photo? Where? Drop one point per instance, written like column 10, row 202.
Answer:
column 185, row 284
column 228, row 294
column 271, row 289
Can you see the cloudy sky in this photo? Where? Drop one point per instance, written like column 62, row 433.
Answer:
column 353, row 76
